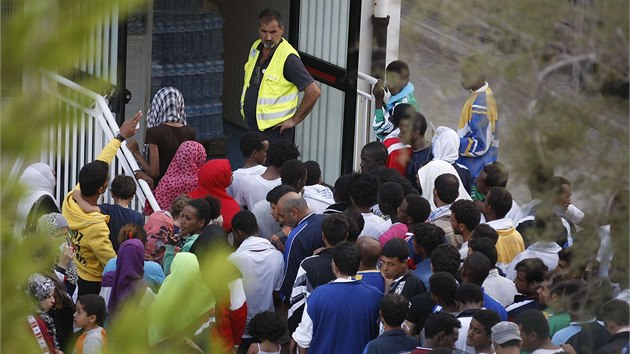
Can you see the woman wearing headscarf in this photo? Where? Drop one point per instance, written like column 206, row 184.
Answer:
column 182, row 175
column 166, row 131
column 42, row 289
column 159, row 229
column 445, row 152
column 39, row 183
column 183, row 303
column 214, row 177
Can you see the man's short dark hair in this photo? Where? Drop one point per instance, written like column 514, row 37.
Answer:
column 533, row 321
column 469, row 294
column 341, row 189
column 534, row 268
column 400, row 67
column 500, row 200
column 252, row 141
column 346, row 257
column 363, row 189
column 313, row 172
column 443, row 285
column 245, row 221
column 335, row 228
column 396, row 248
column 475, row 65
column 496, row 175
column 440, row 322
column 281, row 151
column 446, row 258
column 476, row 268
column 447, row 187
column 418, row 208
column 355, row 222
column 376, row 150
column 485, row 246
column 205, row 210
column 390, row 196
column 278, row 192
column 92, row 177
column 394, row 309
column 466, row 212
column 555, row 184
column 487, row 231
column 420, row 123
column 268, row 15
column 123, row 187
column 292, row 172
column 94, row 305
column 615, row 310
column 402, row 111
column 487, row 318
column 428, row 236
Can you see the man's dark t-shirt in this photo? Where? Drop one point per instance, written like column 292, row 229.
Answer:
column 119, row 217
column 168, row 139
column 294, row 71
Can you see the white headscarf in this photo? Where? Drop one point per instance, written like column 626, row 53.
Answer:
column 445, row 145
column 38, row 180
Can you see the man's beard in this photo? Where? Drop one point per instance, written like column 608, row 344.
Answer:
column 269, row 44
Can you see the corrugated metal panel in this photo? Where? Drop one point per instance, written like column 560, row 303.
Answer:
column 319, row 135
column 324, row 30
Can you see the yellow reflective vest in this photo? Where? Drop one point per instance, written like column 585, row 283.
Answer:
column 277, row 96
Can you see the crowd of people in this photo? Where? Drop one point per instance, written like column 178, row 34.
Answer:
column 423, row 250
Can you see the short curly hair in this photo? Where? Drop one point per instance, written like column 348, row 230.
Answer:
column 123, row 187
column 252, row 141
column 281, row 151
column 445, row 258
column 266, row 326
column 466, row 212
column 363, row 189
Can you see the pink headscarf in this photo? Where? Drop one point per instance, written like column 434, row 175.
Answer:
column 181, row 176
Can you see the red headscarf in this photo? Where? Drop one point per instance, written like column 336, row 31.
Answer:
column 181, row 176
column 214, row 177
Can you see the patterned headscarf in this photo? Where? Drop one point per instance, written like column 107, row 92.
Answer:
column 51, row 223
column 181, row 176
column 159, row 228
column 41, row 287
column 167, row 107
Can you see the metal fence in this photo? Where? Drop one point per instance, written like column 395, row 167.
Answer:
column 365, row 114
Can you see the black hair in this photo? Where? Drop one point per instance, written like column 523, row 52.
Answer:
column 500, row 200
column 440, row 322
column 466, row 212
column 469, row 293
column 355, row 223
column 475, row 64
column 281, row 151
column 447, row 187
column 268, row 15
column 205, row 210
column 533, row 321
column 420, row 123
column 400, row 67
column 94, row 305
column 496, row 175
column 341, row 188
column 566, row 255
column 486, row 247
column 390, row 195
column 615, row 310
column 555, row 184
column 428, row 236
column 418, row 208
column 211, row 237
column 313, row 172
column 292, row 173
column 278, row 192
column 487, row 318
column 92, row 177
column 446, row 258
column 123, row 187
column 347, row 258
column 245, row 221
column 252, row 141
column 485, row 231
column 363, row 189
column 267, row 325
column 534, row 269
column 401, row 111
column 385, row 175
column 443, row 285
column 476, row 268
column 396, row 248
column 335, row 228
column 377, row 150
column 394, row 309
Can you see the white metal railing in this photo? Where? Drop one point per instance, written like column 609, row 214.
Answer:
column 364, row 116
column 83, row 126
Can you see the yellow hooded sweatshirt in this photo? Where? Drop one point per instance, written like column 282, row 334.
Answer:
column 89, row 231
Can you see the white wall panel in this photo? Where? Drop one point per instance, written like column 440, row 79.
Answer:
column 324, row 30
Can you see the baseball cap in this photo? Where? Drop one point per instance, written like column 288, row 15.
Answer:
column 505, row 331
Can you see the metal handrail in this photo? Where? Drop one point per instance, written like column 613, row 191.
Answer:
column 102, row 114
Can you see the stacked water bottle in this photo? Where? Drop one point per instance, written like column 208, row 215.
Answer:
column 187, row 49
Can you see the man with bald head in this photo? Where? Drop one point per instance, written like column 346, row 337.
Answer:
column 304, row 238
column 370, row 249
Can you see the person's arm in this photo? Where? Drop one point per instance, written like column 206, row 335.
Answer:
column 381, row 123
column 83, row 204
column 127, row 130
column 304, row 333
column 311, row 95
column 102, row 246
column 151, row 167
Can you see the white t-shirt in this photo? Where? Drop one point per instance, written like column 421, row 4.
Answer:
column 267, row 226
column 374, row 225
column 242, row 173
column 499, row 288
column 93, row 341
column 254, row 189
